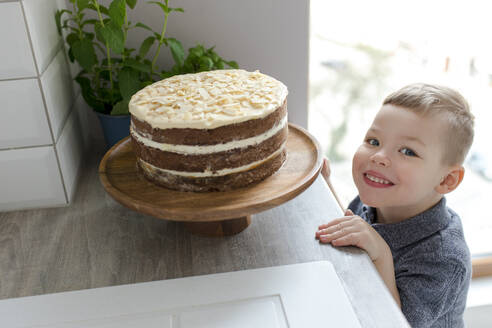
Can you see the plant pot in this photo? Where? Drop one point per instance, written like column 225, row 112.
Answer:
column 114, row 128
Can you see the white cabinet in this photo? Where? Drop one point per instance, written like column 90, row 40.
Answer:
column 299, row 295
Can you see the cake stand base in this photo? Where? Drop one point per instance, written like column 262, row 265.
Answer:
column 219, row 228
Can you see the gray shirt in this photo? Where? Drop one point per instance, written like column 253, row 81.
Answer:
column 432, row 263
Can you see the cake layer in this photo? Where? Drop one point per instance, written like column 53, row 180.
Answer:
column 218, row 135
column 208, row 100
column 214, row 183
column 207, row 149
column 213, row 161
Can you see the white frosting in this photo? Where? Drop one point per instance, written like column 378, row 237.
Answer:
column 208, row 149
column 217, row 173
column 208, row 100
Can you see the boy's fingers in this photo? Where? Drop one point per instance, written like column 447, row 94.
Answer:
column 331, row 237
column 349, row 212
column 335, row 231
column 333, row 222
column 346, row 240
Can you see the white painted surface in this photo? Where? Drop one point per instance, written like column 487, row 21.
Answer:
column 268, row 35
column 40, row 18
column 478, row 312
column 24, row 121
column 70, row 148
column 30, row 178
column 299, row 295
column 16, row 55
column 57, row 87
column 478, row 316
column 480, row 292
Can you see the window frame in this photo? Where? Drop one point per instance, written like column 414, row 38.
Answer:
column 481, row 267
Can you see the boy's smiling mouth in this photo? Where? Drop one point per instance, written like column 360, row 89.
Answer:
column 376, row 181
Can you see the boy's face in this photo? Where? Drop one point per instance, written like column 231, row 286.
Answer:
column 399, row 164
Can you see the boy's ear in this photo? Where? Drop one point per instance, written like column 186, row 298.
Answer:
column 451, row 180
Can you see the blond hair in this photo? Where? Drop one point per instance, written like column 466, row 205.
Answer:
column 427, row 99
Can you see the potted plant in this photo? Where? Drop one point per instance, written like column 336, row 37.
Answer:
column 111, row 73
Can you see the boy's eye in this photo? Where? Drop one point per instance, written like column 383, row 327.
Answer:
column 373, row 142
column 407, row 152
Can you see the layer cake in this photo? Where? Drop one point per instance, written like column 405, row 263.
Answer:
column 210, row 131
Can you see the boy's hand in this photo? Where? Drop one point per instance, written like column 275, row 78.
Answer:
column 325, row 169
column 353, row 230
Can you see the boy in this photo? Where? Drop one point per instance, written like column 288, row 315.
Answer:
column 411, row 156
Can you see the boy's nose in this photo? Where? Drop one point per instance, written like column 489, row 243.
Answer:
column 380, row 159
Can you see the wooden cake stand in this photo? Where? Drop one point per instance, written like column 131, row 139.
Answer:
column 211, row 213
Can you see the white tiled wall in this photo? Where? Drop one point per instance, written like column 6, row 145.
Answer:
column 57, row 88
column 17, row 60
column 30, row 178
column 41, row 139
column 23, row 120
column 40, row 18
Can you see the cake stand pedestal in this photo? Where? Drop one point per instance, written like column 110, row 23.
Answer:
column 211, row 213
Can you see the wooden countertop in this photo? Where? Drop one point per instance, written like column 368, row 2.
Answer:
column 96, row 242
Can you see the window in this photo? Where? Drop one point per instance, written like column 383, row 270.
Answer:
column 362, row 50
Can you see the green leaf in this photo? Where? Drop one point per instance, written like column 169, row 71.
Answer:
column 111, row 34
column 82, row 4
column 117, row 12
column 146, row 44
column 70, row 55
column 127, row 52
column 177, row 51
column 131, row 3
column 143, row 26
column 58, row 15
column 89, row 21
column 188, row 66
column 102, row 9
column 99, row 35
column 84, row 53
column 197, row 51
column 104, row 74
column 121, row 108
column 206, row 63
column 88, row 94
column 72, row 38
column 219, row 64
column 165, row 75
column 146, row 83
column 128, row 79
column 139, row 66
column 164, row 7
column 214, row 56
column 177, row 9
column 232, row 64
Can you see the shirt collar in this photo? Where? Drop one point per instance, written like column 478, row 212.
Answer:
column 409, row 231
